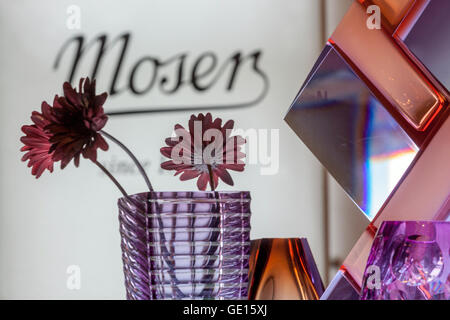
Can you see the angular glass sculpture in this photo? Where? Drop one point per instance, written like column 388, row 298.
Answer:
column 185, row 245
column 424, row 194
column 350, row 132
column 283, row 269
column 374, row 111
column 409, row 260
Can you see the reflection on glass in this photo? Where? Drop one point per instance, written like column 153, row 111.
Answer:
column 429, row 40
column 351, row 133
column 378, row 57
column 283, row 269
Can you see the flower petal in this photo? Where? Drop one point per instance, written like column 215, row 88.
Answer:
column 166, row 151
column 189, row 174
column 71, row 94
column 224, row 176
column 202, row 181
column 101, row 143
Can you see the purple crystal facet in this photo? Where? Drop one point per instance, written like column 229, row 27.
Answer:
column 185, row 245
column 351, row 133
column 409, row 261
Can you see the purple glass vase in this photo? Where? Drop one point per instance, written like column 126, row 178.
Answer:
column 185, row 245
column 409, row 260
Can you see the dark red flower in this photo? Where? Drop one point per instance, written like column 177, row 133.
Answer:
column 75, row 120
column 204, row 153
column 37, row 145
column 68, row 129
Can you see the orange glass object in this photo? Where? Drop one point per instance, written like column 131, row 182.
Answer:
column 393, row 11
column 424, row 194
column 283, row 269
column 410, row 19
column 395, row 79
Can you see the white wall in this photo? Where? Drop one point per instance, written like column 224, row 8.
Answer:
column 70, row 217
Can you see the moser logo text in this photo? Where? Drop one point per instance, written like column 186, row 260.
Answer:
column 139, row 77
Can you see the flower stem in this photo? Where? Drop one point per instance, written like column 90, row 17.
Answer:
column 111, row 177
column 211, row 178
column 207, row 278
column 135, row 160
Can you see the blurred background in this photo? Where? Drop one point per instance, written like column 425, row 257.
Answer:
column 252, row 57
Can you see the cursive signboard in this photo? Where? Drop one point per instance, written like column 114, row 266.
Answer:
column 202, row 73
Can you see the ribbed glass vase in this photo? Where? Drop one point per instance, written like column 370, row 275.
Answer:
column 185, row 245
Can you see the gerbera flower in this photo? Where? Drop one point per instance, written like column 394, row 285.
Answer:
column 67, row 129
column 37, row 145
column 75, row 122
column 206, row 151
column 70, row 128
